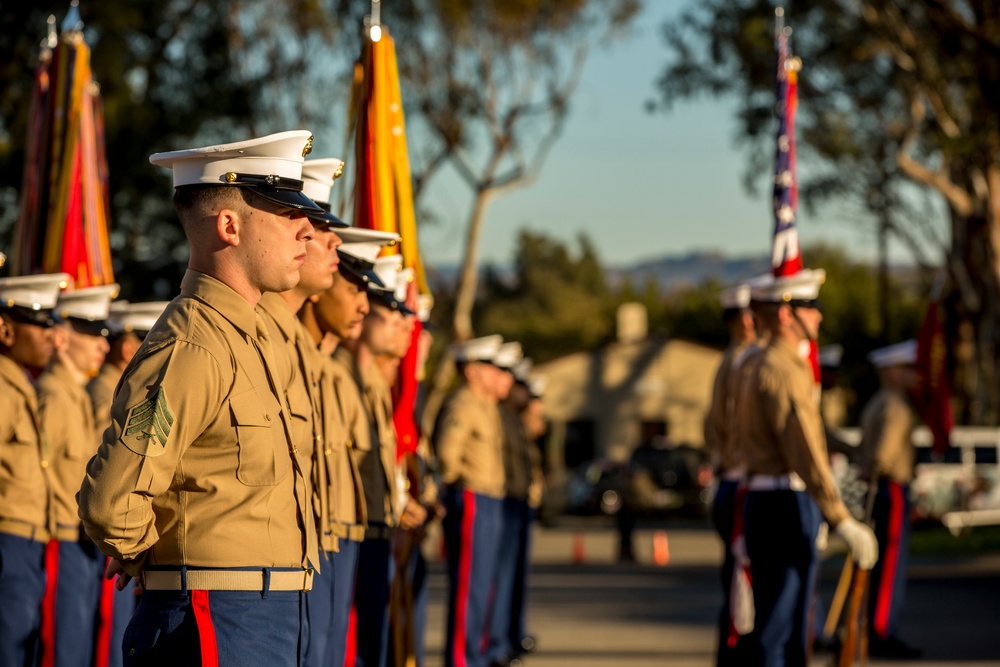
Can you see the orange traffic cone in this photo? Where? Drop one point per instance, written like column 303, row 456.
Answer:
column 578, row 551
column 661, row 548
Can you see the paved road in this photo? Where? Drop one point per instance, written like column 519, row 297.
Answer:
column 641, row 615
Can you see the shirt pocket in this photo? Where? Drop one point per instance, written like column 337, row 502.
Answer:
column 264, row 459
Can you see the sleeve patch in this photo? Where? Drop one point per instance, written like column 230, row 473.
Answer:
column 147, row 427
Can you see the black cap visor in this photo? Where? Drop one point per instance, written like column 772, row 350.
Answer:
column 388, row 299
column 286, row 197
column 357, row 270
column 38, row 318
column 327, row 218
column 89, row 327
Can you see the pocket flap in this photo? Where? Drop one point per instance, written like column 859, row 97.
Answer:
column 256, row 407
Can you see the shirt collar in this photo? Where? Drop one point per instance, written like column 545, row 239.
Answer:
column 221, row 298
column 272, row 304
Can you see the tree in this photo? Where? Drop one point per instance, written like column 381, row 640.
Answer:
column 899, row 98
column 172, row 74
column 554, row 303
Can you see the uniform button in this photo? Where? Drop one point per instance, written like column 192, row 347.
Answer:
column 45, row 464
column 131, row 651
column 328, row 452
column 296, row 450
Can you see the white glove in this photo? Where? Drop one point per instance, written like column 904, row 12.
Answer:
column 821, row 536
column 861, row 541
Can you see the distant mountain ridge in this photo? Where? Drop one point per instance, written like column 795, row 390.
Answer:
column 669, row 272
column 692, row 269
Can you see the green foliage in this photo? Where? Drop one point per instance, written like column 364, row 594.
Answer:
column 555, row 304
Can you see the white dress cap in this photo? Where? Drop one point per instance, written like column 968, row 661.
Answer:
column 425, row 304
column 92, row 304
column 37, row 292
column 478, row 349
column 318, row 177
column 270, row 166
column 508, row 356
column 735, row 298
column 523, row 369
column 140, row 317
column 537, row 385
column 365, row 244
column 800, row 287
column 830, row 355
column 900, row 354
column 358, row 252
column 387, row 268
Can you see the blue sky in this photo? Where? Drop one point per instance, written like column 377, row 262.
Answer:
column 639, row 185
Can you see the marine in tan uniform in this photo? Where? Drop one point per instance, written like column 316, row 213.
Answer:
column 887, row 458
column 74, row 563
column 726, row 457
column 128, row 323
column 790, row 484
column 468, row 443
column 196, row 487
column 310, row 428
column 27, row 511
column 508, row 637
column 333, row 317
column 387, row 502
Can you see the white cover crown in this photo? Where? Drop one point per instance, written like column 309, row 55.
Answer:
column 279, row 154
column 37, row 292
column 88, row 303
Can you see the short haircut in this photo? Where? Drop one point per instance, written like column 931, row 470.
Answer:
column 193, row 202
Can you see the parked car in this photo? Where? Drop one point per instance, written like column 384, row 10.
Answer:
column 657, row 481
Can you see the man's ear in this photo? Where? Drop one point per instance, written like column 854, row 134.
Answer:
column 228, row 225
column 7, row 335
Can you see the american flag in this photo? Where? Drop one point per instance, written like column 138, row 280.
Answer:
column 785, row 258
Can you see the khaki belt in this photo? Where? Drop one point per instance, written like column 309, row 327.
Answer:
column 25, row 530
column 354, row 532
column 227, row 580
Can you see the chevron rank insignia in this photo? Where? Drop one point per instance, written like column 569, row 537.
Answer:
column 147, row 427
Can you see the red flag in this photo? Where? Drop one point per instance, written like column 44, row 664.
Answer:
column 932, row 393
column 786, row 259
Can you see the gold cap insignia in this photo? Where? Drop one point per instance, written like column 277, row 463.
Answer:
column 340, row 171
column 231, row 177
column 308, row 147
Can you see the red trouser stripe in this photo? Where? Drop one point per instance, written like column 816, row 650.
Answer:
column 351, row 650
column 48, row 629
column 889, row 560
column 464, row 575
column 206, row 630
column 739, row 500
column 105, row 620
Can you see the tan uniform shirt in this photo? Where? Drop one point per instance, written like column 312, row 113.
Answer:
column 303, row 367
column 198, row 466
column 68, row 423
column 886, row 448
column 377, row 464
column 469, row 445
column 518, row 464
column 26, row 507
column 348, row 434
column 784, row 432
column 101, row 390
column 719, row 420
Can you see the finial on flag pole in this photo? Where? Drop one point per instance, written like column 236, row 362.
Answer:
column 72, row 22
column 51, row 36
column 374, row 21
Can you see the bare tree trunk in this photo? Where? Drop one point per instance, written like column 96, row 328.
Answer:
column 465, row 299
